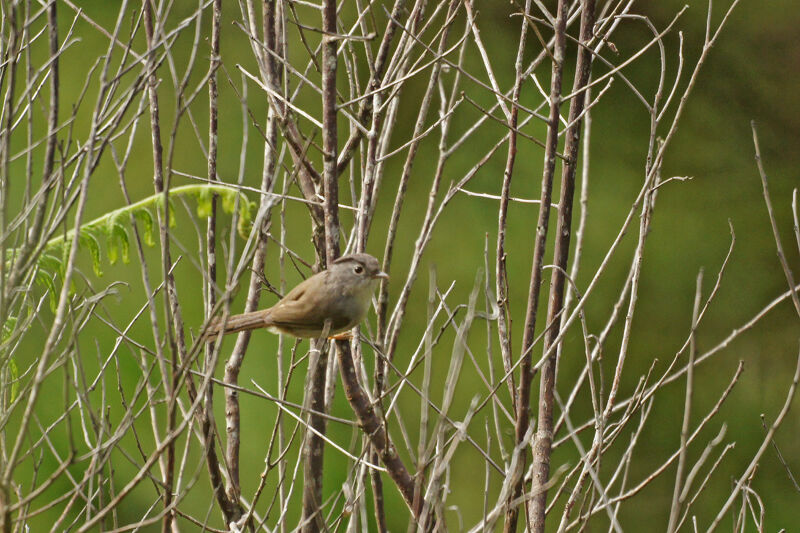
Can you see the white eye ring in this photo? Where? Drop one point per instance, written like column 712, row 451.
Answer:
column 358, row 269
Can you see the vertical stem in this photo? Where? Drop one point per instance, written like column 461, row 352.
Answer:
column 35, row 229
column 388, row 331
column 59, row 320
column 5, row 142
column 163, row 218
column 329, row 132
column 313, row 467
column 213, row 93
column 234, row 363
column 501, row 286
column 544, row 431
column 677, row 500
column 228, row 500
column 5, row 145
column 373, row 427
column 551, row 146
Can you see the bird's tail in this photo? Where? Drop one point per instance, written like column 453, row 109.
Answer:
column 235, row 323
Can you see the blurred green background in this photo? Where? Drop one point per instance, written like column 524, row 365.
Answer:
column 752, row 73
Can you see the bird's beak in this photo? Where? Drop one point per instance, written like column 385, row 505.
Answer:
column 382, row 274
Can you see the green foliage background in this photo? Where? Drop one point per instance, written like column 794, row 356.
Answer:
column 752, row 74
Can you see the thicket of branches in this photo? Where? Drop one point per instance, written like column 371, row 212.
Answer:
column 120, row 433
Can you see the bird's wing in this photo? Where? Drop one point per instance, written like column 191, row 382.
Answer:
column 306, row 308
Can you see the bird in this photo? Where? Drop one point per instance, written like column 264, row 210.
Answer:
column 328, row 303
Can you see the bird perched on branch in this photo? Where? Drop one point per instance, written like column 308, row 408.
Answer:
column 328, row 303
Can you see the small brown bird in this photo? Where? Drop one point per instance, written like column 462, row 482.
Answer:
column 336, row 299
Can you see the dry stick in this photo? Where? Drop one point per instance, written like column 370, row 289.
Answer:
column 629, row 493
column 424, row 414
column 144, row 469
column 388, row 345
column 654, row 165
column 378, row 145
column 607, row 328
column 153, row 312
column 35, row 229
column 593, row 471
column 370, row 110
column 29, row 97
column 651, row 170
column 163, row 219
column 89, row 156
column 176, row 338
column 10, row 67
column 526, row 367
column 435, row 493
column 387, row 328
column 307, row 177
column 796, row 219
column 230, row 497
column 236, row 359
column 211, row 226
column 446, row 418
column 181, row 84
column 544, row 431
column 207, row 432
column 677, row 500
column 401, row 67
column 587, row 459
column 635, row 272
column 515, row 474
column 425, row 237
column 71, row 192
column 374, row 428
column 368, row 419
column 627, row 459
column 501, row 277
column 282, row 462
column 773, row 223
column 750, row 470
column 314, row 447
column 485, row 57
column 576, row 262
column 369, row 104
column 695, row 470
column 781, row 459
column 491, row 310
column 488, row 113
column 366, row 202
column 669, row 378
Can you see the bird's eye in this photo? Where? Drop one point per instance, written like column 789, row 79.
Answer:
column 358, row 269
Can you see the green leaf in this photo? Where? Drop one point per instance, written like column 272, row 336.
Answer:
column 205, row 203
column 245, row 223
column 62, row 266
column 124, row 243
column 8, row 328
column 159, row 203
column 112, row 250
column 117, row 241
column 146, row 219
column 50, row 263
column 229, row 200
column 46, row 280
column 14, row 375
column 88, row 240
column 173, row 221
